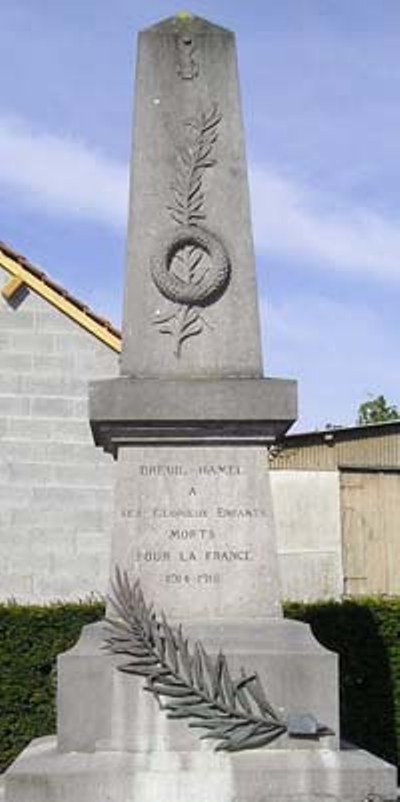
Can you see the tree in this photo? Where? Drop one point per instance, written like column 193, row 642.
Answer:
column 377, row 410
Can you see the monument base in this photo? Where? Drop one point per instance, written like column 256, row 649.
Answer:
column 42, row 774
column 102, row 708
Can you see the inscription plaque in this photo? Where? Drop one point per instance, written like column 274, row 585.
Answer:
column 195, row 524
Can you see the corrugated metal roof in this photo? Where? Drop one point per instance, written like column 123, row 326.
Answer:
column 372, row 446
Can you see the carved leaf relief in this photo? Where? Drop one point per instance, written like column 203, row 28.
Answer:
column 190, row 266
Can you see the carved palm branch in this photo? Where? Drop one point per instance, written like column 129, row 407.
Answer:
column 194, row 157
column 192, row 684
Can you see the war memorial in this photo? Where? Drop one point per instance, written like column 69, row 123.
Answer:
column 195, row 688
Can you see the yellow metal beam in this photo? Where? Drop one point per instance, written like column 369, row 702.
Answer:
column 67, row 307
column 11, row 288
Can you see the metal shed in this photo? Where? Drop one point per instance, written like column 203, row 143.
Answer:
column 367, row 459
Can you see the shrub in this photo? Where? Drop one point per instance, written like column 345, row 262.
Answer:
column 365, row 634
column 30, row 639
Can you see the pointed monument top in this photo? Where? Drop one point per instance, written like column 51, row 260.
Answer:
column 190, row 266
column 185, row 22
column 191, row 364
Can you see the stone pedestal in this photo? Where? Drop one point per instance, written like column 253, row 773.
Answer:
column 115, row 744
column 298, row 674
column 43, row 774
column 196, row 524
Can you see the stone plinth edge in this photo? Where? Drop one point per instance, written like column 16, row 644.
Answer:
column 127, row 411
column 42, row 774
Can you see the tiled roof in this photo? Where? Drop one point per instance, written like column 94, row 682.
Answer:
column 38, row 281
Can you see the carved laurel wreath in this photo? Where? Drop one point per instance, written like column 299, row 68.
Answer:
column 198, row 289
column 234, row 712
column 201, row 281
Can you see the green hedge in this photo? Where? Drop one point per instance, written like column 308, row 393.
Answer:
column 30, row 639
column 365, row 633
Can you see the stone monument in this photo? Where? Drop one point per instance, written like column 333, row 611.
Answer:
column 189, row 421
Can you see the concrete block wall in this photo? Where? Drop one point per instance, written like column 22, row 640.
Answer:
column 56, row 488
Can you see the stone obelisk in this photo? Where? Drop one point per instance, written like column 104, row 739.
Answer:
column 191, row 411
column 188, row 421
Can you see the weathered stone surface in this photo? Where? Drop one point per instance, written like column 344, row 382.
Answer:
column 195, row 523
column 42, row 774
column 187, row 114
column 299, row 674
column 127, row 410
column 84, row 674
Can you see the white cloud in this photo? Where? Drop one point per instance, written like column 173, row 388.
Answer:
column 62, row 175
column 297, row 222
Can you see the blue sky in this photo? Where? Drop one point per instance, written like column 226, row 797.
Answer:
column 320, row 87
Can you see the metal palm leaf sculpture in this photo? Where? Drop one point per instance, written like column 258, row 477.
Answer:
column 189, row 683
